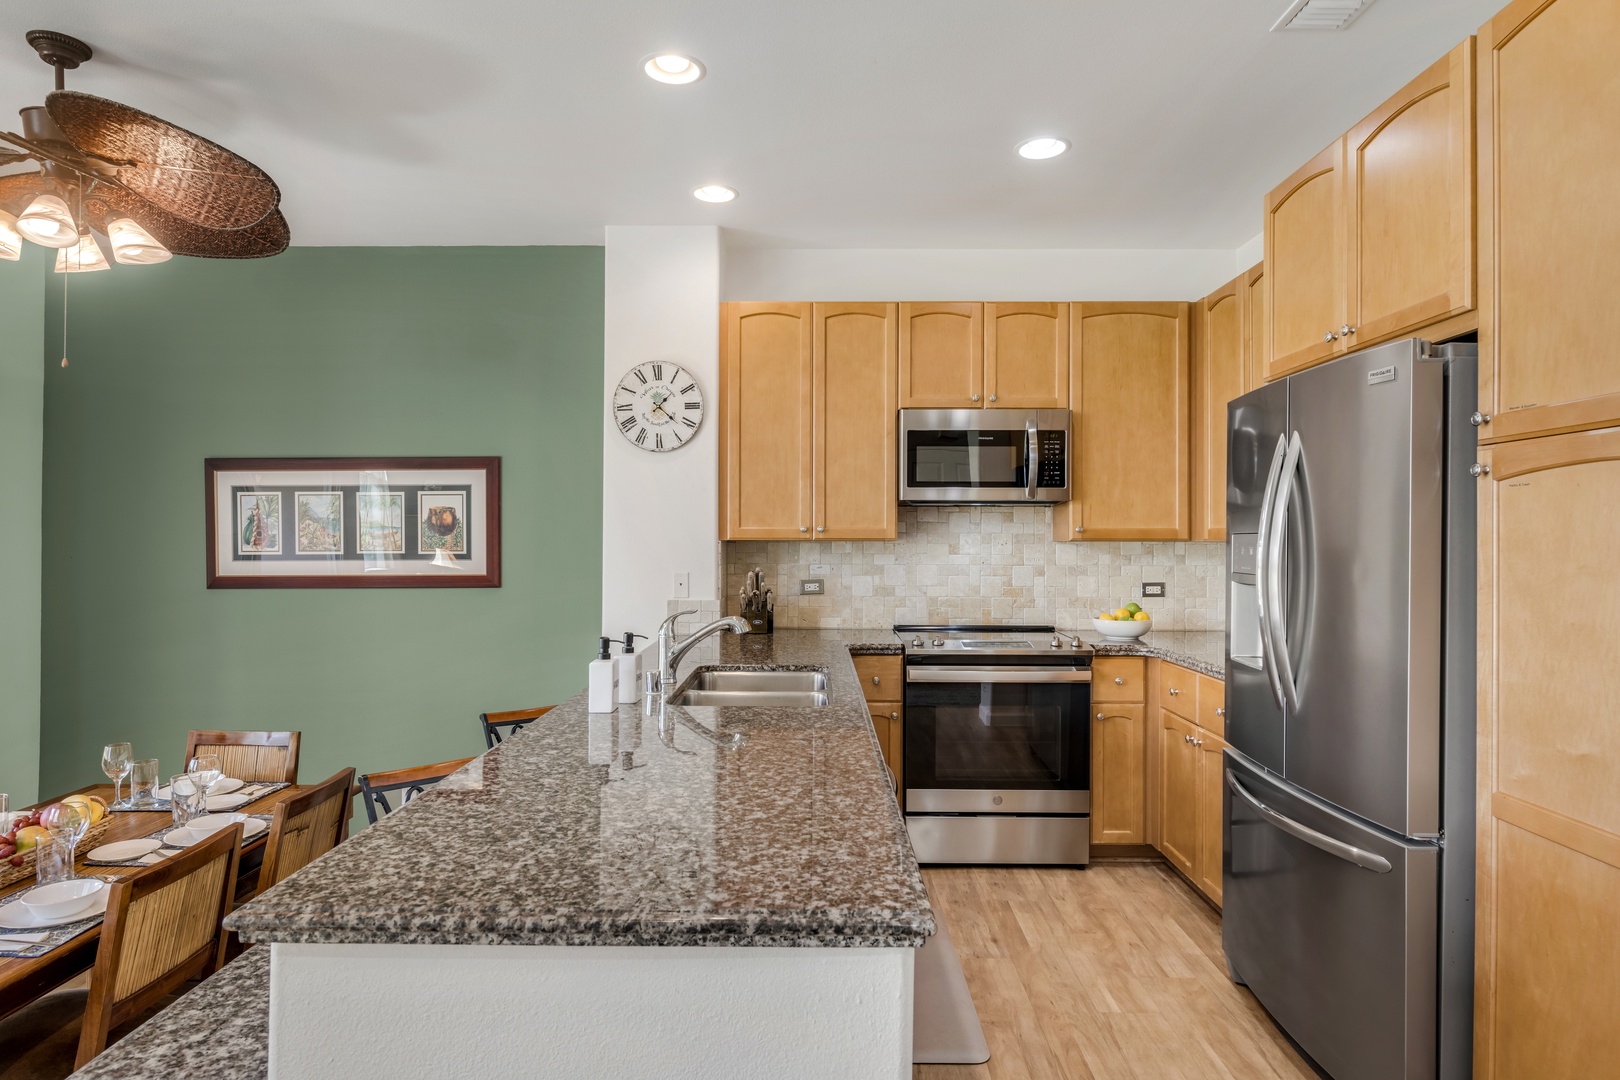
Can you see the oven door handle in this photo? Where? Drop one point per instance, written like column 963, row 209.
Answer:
column 920, row 674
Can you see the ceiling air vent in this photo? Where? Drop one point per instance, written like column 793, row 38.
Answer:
column 1320, row 14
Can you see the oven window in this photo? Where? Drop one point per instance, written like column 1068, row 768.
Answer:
column 968, row 459
column 1028, row 737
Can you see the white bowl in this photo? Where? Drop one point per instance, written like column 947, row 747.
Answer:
column 1115, row 630
column 61, row 898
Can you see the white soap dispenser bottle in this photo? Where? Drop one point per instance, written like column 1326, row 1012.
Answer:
column 601, row 689
column 629, row 669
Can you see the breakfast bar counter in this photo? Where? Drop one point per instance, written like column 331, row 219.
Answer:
column 556, row 905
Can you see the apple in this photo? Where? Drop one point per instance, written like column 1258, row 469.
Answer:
column 27, row 838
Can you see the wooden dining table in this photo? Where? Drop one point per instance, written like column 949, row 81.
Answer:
column 23, row 980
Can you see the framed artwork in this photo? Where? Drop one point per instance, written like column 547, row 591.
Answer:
column 353, row 523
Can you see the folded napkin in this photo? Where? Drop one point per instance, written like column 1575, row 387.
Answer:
column 22, row 939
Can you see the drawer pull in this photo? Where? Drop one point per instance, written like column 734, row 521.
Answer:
column 1119, row 682
column 1174, row 691
column 876, row 680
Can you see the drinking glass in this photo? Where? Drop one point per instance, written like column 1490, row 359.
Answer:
column 53, row 857
column 115, row 761
column 5, row 812
column 143, row 778
column 206, row 768
column 186, row 797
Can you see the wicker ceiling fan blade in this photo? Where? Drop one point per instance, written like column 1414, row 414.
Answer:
column 266, row 237
column 11, row 157
column 19, row 189
column 176, row 171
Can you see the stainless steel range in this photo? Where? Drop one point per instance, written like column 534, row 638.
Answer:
column 997, row 745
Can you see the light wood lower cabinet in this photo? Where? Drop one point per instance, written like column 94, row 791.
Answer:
column 1178, row 792
column 807, row 421
column 886, row 722
column 1130, row 393
column 1117, row 758
column 882, row 679
column 1191, row 712
column 1206, row 871
column 1549, row 219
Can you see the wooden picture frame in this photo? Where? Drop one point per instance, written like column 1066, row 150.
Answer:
column 353, row 523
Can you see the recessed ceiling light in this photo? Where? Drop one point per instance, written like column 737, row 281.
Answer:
column 715, row 193
column 1042, row 148
column 673, row 68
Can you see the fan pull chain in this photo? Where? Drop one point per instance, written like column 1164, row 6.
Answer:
column 65, row 279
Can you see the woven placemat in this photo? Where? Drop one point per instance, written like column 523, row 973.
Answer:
column 56, row 935
column 154, row 857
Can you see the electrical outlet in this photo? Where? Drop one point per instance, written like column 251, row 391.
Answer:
column 812, row 587
column 1152, row 588
column 683, row 585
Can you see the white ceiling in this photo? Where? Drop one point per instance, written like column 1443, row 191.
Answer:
column 843, row 123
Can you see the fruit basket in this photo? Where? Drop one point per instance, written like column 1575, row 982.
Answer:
column 10, row 874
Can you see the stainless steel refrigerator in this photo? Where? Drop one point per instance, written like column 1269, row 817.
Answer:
column 1348, row 863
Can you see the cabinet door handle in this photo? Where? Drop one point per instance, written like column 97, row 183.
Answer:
column 1479, row 418
column 975, row 397
column 1346, row 330
column 876, row 679
column 1330, row 336
column 1220, row 711
column 894, row 716
column 821, row 528
column 992, row 397
column 804, row 528
column 1119, row 682
column 1099, row 716
column 1174, row 691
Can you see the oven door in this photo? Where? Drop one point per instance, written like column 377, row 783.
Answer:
column 983, row 455
column 997, row 739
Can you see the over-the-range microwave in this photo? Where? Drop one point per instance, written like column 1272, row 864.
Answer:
column 984, row 456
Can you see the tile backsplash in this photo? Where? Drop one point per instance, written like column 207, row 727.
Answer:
column 966, row 564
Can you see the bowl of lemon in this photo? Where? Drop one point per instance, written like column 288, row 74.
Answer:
column 1123, row 624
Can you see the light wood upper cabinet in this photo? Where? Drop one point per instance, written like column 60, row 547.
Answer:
column 941, row 356
column 854, row 388
column 1255, row 353
column 1129, row 389
column 1178, row 792
column 1549, row 218
column 1409, row 182
column 1118, row 773
column 1305, row 264
column 1548, row 882
column 765, row 413
column 1217, row 379
column 1026, row 356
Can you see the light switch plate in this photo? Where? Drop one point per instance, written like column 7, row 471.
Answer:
column 683, row 585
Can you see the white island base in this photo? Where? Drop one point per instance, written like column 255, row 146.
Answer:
column 558, row 1011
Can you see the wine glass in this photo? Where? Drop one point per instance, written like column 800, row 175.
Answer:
column 115, row 762
column 207, row 770
column 67, row 825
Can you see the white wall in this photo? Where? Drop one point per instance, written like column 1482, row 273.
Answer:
column 660, row 511
column 1252, row 252
column 972, row 274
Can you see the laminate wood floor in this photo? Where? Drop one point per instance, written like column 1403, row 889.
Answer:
column 1109, row 973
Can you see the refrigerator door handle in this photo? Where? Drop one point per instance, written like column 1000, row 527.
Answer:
column 1277, row 535
column 1367, row 860
column 1268, row 646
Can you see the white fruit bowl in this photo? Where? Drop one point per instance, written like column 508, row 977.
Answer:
column 1114, row 630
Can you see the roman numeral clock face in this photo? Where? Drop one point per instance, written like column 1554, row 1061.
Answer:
column 658, row 406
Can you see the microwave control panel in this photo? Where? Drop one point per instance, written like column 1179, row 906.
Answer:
column 1054, row 460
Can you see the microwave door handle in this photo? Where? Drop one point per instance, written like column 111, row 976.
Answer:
column 1268, row 645
column 1278, row 537
column 1032, row 440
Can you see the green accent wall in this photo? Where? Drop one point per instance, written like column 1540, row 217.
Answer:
column 343, row 352
column 22, row 388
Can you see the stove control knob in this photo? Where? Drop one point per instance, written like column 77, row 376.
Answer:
column 916, row 643
column 939, row 643
column 1057, row 644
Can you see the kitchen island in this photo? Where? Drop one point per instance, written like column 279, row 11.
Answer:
column 708, row 892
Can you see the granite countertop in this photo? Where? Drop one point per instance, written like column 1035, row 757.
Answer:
column 1203, row 651
column 613, row 829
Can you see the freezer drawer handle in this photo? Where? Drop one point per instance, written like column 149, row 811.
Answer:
column 997, row 675
column 1337, row 848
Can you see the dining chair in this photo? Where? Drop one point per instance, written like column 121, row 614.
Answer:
column 495, row 723
column 162, row 930
column 254, row 756
column 374, row 787
column 305, row 827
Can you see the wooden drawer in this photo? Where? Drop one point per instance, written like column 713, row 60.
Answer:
column 1211, row 706
column 1119, row 678
column 1178, row 690
column 882, row 677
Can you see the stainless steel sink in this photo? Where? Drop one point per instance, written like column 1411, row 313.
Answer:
column 760, row 681
column 754, row 698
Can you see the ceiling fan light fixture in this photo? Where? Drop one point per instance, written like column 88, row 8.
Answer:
column 673, row 68
column 10, row 238
column 133, row 245
column 49, row 223
column 83, row 257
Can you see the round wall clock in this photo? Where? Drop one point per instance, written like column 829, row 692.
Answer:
column 658, row 406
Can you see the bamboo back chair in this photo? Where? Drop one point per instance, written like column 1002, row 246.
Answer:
column 498, row 723
column 265, row 757
column 162, row 929
column 305, row 827
column 374, row 787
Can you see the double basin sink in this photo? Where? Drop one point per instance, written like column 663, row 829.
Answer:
column 782, row 689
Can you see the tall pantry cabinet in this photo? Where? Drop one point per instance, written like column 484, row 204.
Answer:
column 1547, row 937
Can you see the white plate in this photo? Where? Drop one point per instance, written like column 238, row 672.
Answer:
column 18, row 917
column 226, row 802
column 224, row 785
column 124, row 849
column 185, row 837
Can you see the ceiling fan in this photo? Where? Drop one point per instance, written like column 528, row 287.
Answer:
column 112, row 180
